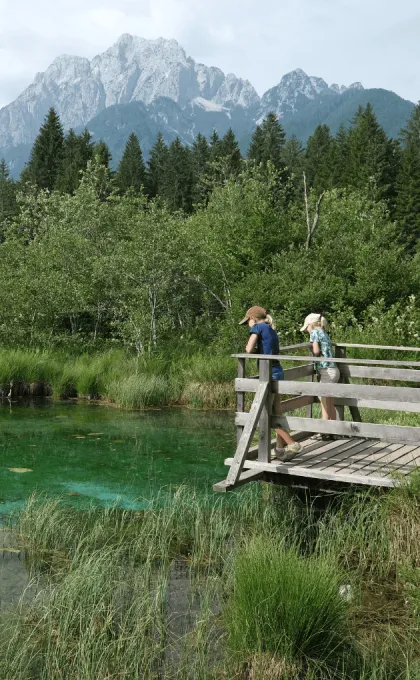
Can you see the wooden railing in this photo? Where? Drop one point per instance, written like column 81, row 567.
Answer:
column 304, row 393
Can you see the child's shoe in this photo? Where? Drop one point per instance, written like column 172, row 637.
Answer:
column 287, row 454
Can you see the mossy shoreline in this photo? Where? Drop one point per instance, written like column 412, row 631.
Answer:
column 114, row 377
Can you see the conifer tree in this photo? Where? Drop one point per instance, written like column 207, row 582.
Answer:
column 340, row 152
column 214, row 146
column 268, row 143
column 200, row 159
column 131, row 173
column 200, row 155
column 408, row 182
column 293, row 155
column 256, row 148
column 102, row 154
column 319, row 159
column 177, row 185
column 370, row 162
column 229, row 151
column 77, row 152
column 7, row 196
column 156, row 167
column 47, row 154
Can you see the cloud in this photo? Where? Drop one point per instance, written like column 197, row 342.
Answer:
column 340, row 40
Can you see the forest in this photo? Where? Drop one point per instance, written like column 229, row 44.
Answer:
column 168, row 252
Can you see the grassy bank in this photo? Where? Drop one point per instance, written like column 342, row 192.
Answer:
column 255, row 586
column 130, row 382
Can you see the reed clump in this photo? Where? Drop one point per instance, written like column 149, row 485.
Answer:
column 254, row 585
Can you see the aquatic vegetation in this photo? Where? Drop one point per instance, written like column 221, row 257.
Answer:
column 254, row 585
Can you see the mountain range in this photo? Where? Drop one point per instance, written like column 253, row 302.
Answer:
column 147, row 86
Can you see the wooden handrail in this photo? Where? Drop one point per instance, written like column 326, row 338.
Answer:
column 391, row 347
column 360, row 362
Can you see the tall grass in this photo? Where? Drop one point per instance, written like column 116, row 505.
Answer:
column 169, row 592
column 287, row 605
column 129, row 381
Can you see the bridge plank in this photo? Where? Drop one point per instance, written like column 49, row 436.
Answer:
column 388, row 433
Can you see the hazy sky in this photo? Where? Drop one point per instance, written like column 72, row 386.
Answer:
column 374, row 41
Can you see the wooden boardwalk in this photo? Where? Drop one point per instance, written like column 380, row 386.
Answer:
column 372, row 454
column 347, row 461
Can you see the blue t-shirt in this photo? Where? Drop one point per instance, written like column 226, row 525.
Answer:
column 268, row 343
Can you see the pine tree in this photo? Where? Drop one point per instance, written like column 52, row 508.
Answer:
column 229, row 151
column 102, row 154
column 408, row 182
column 156, row 166
column 47, row 153
column 319, row 159
column 256, row 148
column 131, row 173
column 268, row 143
column 200, row 159
column 7, row 196
column 370, row 163
column 293, row 155
column 340, row 152
column 78, row 151
column 200, row 155
column 214, row 146
column 177, row 185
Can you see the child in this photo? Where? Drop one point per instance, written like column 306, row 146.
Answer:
column 328, row 372
column 264, row 340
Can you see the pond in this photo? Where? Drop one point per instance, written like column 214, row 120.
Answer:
column 91, row 454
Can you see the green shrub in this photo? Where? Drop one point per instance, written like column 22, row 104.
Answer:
column 286, row 605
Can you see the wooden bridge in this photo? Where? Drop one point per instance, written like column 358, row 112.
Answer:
column 373, row 454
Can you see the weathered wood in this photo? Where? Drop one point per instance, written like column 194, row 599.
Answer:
column 296, row 402
column 401, row 374
column 264, row 438
column 251, row 384
column 360, row 362
column 283, row 468
column 340, row 448
column 386, row 405
column 340, row 353
column 250, row 425
column 375, row 392
column 390, row 347
column 388, row 433
column 245, row 478
column 298, row 346
column 240, row 397
column 349, row 459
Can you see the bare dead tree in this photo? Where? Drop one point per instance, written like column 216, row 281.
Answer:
column 311, row 225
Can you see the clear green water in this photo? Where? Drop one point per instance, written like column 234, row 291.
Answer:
column 91, row 454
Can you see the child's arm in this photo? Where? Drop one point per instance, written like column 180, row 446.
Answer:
column 316, row 350
column 251, row 343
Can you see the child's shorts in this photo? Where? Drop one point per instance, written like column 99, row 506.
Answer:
column 329, row 375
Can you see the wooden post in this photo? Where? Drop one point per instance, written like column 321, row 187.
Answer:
column 240, row 398
column 340, row 353
column 264, row 440
column 309, row 408
column 355, row 413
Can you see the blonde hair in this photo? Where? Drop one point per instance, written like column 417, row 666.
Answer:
column 269, row 319
column 322, row 323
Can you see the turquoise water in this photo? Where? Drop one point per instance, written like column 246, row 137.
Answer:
column 97, row 455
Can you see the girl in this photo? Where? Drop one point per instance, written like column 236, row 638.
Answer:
column 264, row 340
column 316, row 325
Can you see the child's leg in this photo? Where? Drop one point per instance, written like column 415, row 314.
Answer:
column 283, row 437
